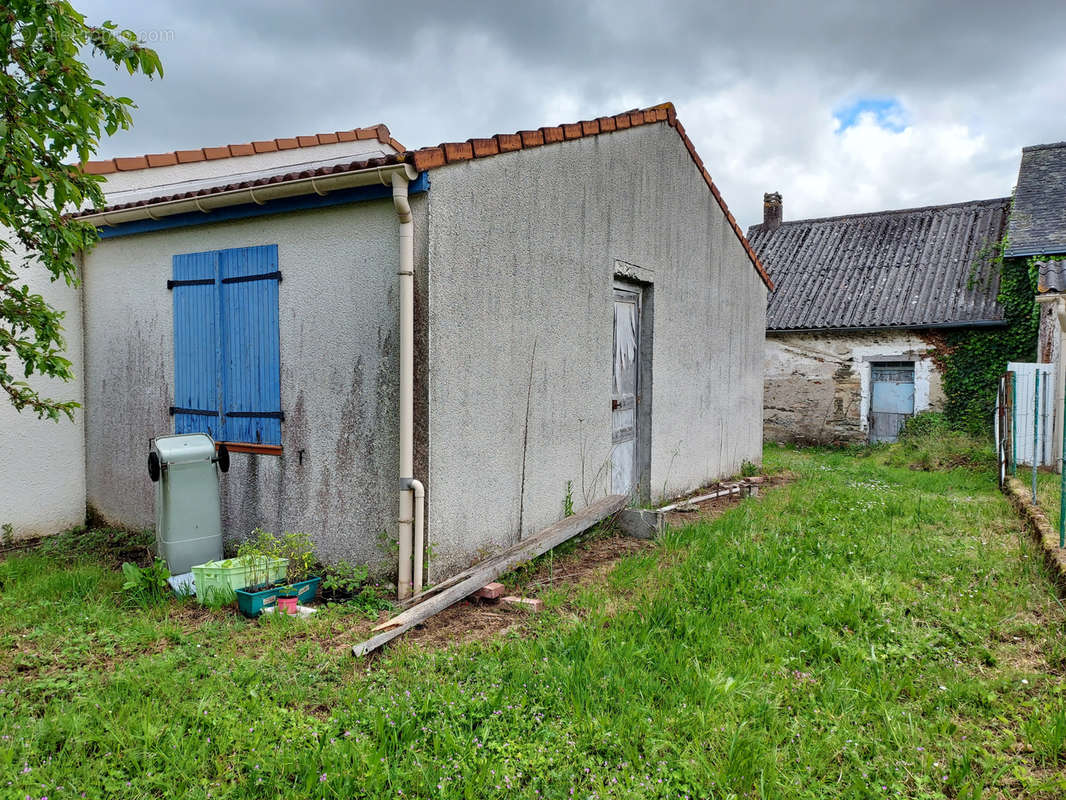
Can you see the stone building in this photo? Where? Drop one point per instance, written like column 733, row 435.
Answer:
column 858, row 305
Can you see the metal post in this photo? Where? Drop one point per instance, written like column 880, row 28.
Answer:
column 1014, row 423
column 1062, row 482
column 1036, row 428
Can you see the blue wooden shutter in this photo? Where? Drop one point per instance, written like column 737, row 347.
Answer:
column 251, row 368
column 197, row 377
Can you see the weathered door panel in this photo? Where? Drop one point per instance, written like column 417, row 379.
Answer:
column 891, row 400
column 625, row 390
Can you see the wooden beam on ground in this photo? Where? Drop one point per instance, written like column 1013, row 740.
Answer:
column 469, row 581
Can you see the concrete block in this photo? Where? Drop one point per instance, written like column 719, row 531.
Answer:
column 641, row 523
column 531, row 603
column 493, row 591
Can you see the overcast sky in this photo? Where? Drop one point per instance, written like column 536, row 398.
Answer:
column 841, row 106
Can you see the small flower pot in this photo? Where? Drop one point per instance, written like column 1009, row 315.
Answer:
column 287, row 605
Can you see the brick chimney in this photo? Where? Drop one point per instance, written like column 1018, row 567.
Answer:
column 771, row 211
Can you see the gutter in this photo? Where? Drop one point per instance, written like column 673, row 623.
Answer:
column 258, row 195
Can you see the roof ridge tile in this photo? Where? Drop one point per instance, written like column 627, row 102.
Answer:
column 174, row 157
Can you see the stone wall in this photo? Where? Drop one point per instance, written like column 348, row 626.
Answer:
column 817, row 386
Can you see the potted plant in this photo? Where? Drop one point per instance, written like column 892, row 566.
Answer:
column 299, row 587
column 264, row 565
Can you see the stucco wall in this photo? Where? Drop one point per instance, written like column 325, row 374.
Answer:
column 42, row 463
column 818, row 385
column 337, row 476
column 522, row 253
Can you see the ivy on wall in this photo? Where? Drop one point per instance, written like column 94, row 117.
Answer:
column 972, row 360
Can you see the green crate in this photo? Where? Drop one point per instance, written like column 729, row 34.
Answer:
column 218, row 581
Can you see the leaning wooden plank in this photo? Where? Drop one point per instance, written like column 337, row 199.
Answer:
column 485, row 572
column 501, row 556
column 528, row 549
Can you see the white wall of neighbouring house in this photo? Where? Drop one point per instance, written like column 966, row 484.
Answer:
column 818, row 384
column 42, row 463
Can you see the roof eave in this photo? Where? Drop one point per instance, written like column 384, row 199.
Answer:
column 978, row 323
column 294, row 186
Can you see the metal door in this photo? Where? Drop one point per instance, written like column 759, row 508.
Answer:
column 625, row 389
column 891, row 399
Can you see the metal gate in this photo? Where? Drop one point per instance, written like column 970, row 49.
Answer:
column 891, row 399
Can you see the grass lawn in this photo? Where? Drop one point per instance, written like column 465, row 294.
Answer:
column 866, row 631
column 1048, row 491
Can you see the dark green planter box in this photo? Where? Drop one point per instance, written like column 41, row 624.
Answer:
column 251, row 604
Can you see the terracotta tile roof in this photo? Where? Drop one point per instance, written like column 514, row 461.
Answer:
column 428, row 158
column 453, row 152
column 379, row 132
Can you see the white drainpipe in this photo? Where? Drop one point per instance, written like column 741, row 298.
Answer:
column 412, row 509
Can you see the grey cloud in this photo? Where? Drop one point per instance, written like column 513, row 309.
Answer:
column 755, row 83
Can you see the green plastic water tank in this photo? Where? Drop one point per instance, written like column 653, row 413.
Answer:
column 188, row 516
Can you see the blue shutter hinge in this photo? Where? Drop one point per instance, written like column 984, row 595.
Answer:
column 266, row 276
column 197, row 282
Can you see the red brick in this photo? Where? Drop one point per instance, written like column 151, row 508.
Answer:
column 650, row 115
column 98, row 167
column 531, row 138
column 508, row 142
column 428, row 158
column 382, row 134
column 636, row 118
column 189, row 156
column 660, row 114
column 241, row 150
column 572, row 131
column 606, row 124
column 346, row 136
column 265, row 147
column 457, row 151
column 328, row 138
column 286, row 144
column 307, row 141
column 621, row 121
column 212, row 153
column 590, row 127
column 124, row 164
column 366, row 133
column 552, row 135
column 484, row 147
column 530, row 603
column 395, row 145
column 493, row 591
column 161, row 159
